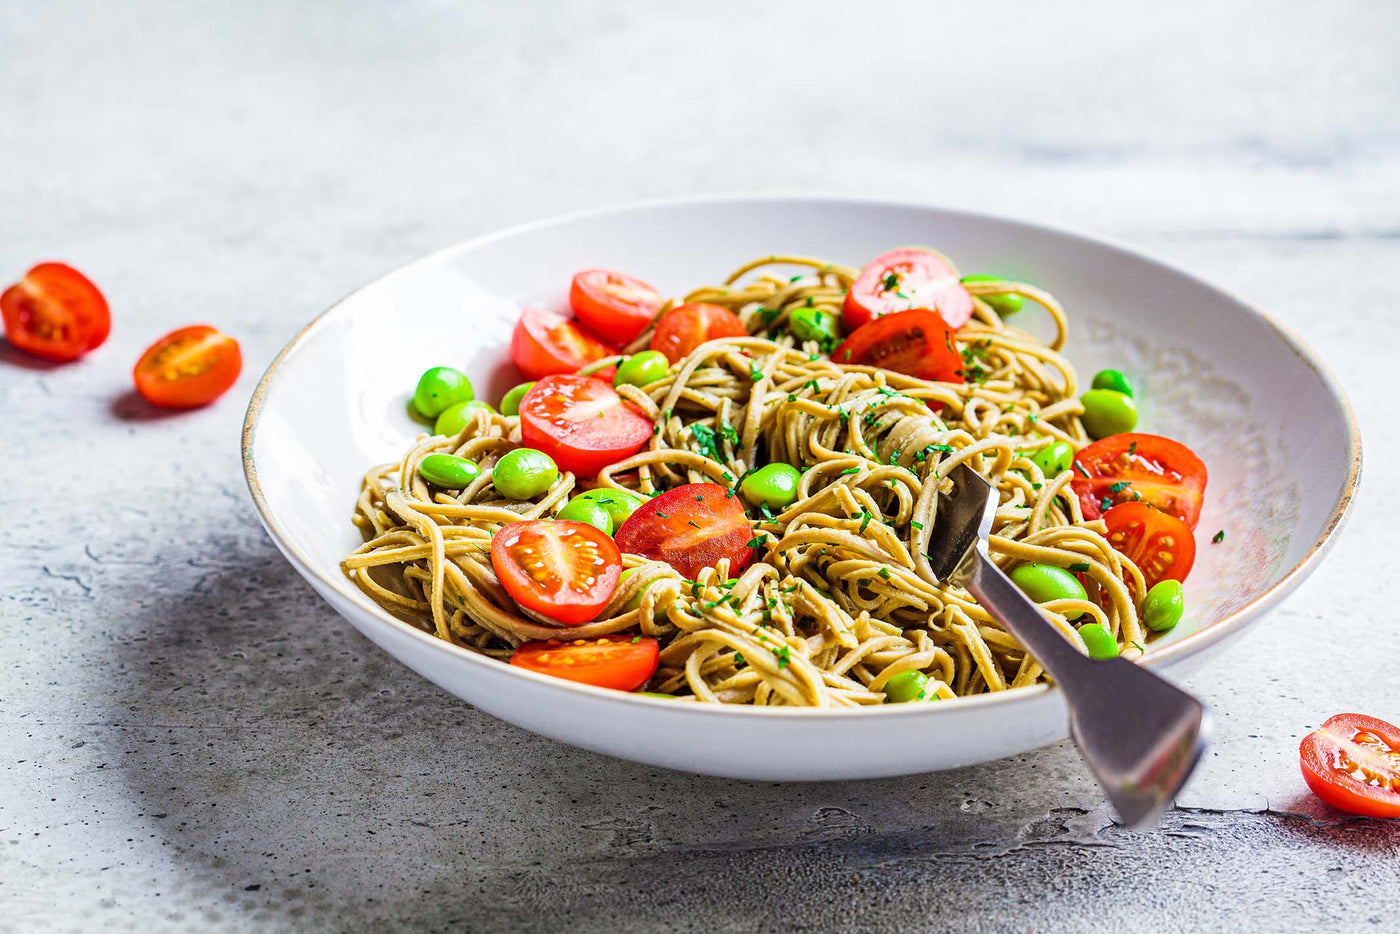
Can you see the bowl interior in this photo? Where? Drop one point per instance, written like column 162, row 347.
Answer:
column 1272, row 428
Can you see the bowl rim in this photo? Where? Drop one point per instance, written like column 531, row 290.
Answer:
column 1187, row 646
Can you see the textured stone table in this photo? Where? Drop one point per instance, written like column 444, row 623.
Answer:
column 191, row 740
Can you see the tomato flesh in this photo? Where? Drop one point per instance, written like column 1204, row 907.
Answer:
column 903, row 279
column 564, row 570
column 917, row 343
column 620, row 662
column 1161, row 545
column 690, row 528
column 1353, row 763
column 55, row 312
column 582, row 423
column 615, row 306
column 188, row 368
column 544, row 343
column 686, row 327
column 1140, row 468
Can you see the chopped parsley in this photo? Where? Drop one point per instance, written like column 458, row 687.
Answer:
column 885, row 573
column 636, row 639
column 812, row 385
column 1218, row 537
column 1105, row 504
column 891, row 282
column 784, row 655
column 849, row 470
column 918, row 526
column 1119, row 487
column 1079, row 566
column 705, row 440
column 661, row 515
column 739, row 660
column 1132, row 448
column 1082, row 472
column 692, row 523
column 755, row 373
column 865, row 520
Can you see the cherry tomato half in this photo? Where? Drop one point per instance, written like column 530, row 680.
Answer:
column 918, row 343
column 907, row 278
column 188, row 368
column 582, row 423
column 686, row 327
column 615, row 306
column 1134, row 467
column 544, row 343
column 1161, row 545
column 616, row 661
column 1353, row 763
column 55, row 312
column 565, row 570
column 690, row 527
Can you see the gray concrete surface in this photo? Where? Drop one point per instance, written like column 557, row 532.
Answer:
column 190, row 740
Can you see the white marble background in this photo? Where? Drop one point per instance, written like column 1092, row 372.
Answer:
column 190, row 740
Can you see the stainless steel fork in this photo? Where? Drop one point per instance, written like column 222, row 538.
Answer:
column 1141, row 735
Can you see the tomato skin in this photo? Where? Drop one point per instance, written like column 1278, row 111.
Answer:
column 620, row 662
column 56, row 313
column 564, row 570
column 1350, row 742
column 544, row 343
column 661, row 529
column 916, row 342
column 923, row 279
column 582, row 423
column 1161, row 545
column 613, row 305
column 1159, row 471
column 187, row 368
column 686, row 327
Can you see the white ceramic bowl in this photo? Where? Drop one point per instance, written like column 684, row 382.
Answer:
column 1258, row 406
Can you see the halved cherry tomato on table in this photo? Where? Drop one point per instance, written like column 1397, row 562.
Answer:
column 188, row 368
column 1135, row 467
column 1161, row 545
column 544, row 343
column 620, row 662
column 582, row 423
column 615, row 306
column 55, row 312
column 917, row 343
column 1353, row 763
column 686, row 327
column 565, row 570
column 907, row 278
column 690, row 527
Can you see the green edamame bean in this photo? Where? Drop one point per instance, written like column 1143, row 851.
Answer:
column 1007, row 303
column 1098, row 640
column 524, row 473
column 440, row 387
column 619, row 504
column 583, row 509
column 636, row 602
column 774, row 486
column 813, row 324
column 454, row 418
column 1107, row 412
column 510, row 402
column 1053, row 459
column 1112, row 379
column 642, row 369
column 1163, row 605
column 448, row 471
column 1046, row 582
column 909, row 686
